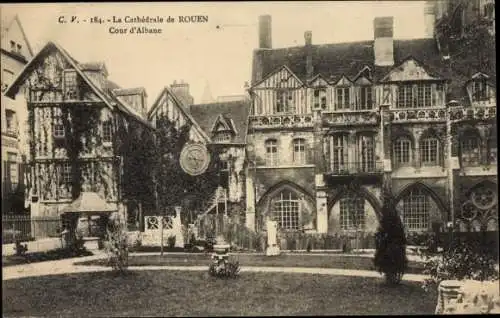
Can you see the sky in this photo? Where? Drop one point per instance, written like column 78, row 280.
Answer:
column 217, row 52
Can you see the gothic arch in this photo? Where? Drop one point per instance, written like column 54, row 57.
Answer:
column 359, row 191
column 483, row 183
column 426, row 189
column 264, row 203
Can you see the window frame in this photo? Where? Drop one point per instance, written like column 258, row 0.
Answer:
column 339, row 153
column 350, row 205
column 73, row 95
column 366, row 153
column 284, row 101
column 286, row 211
column 398, row 151
column 416, row 214
column 12, row 160
column 365, row 97
column 466, row 153
column 271, row 156
column 480, row 91
column 299, row 147
column 11, row 121
column 226, row 134
column 426, row 151
column 342, row 101
column 107, row 131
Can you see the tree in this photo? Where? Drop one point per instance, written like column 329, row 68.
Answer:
column 390, row 255
column 172, row 184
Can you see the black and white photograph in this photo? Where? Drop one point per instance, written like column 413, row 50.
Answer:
column 280, row 158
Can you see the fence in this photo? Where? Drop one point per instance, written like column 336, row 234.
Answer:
column 27, row 228
column 313, row 241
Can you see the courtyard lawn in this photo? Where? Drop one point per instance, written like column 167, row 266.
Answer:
column 318, row 261
column 179, row 293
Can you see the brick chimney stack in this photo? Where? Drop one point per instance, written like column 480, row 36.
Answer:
column 265, row 32
column 383, row 44
column 308, row 47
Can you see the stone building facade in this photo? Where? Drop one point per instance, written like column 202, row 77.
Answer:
column 334, row 126
column 15, row 54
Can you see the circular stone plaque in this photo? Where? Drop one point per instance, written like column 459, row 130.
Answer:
column 194, row 159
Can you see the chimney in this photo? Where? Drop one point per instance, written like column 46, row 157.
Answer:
column 308, row 49
column 265, row 33
column 429, row 18
column 383, row 45
column 181, row 91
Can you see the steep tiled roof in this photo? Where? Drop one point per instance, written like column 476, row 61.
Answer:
column 235, row 111
column 332, row 61
column 105, row 93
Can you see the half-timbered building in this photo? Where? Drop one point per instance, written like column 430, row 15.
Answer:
column 87, row 145
column 333, row 127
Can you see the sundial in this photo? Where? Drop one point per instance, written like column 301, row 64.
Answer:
column 194, row 159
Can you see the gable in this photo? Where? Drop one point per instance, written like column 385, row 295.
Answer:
column 282, row 78
column 15, row 33
column 223, row 124
column 409, row 70
column 343, row 81
column 363, row 81
column 318, row 81
column 168, row 105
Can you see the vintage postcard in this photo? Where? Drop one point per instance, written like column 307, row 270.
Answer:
column 249, row 158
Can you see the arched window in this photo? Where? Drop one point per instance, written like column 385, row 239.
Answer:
column 352, row 212
column 271, row 152
column 429, row 151
column 416, row 211
column 299, row 151
column 401, row 151
column 286, row 210
column 470, row 151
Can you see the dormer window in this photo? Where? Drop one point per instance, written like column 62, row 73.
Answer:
column 480, row 91
column 284, row 102
column 364, row 99
column 342, row 97
column 319, row 98
column 222, row 136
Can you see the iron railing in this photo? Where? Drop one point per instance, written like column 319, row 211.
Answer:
column 26, row 228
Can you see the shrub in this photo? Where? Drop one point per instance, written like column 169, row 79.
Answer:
column 390, row 254
column 117, row 247
column 464, row 259
column 224, row 269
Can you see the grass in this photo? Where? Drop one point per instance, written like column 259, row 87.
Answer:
column 36, row 257
column 328, row 261
column 178, row 293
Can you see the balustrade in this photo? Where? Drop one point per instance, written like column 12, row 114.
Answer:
column 349, row 118
column 281, row 121
column 418, row 115
column 472, row 113
column 351, row 168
